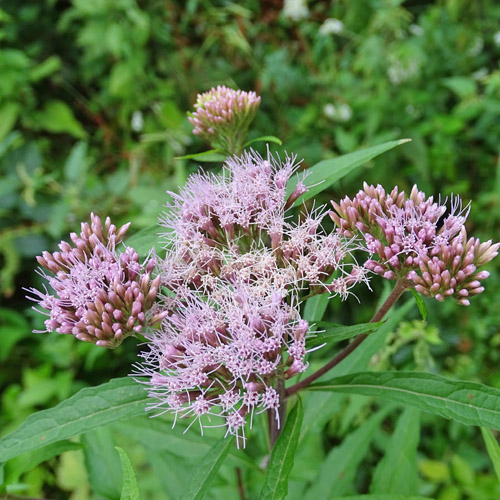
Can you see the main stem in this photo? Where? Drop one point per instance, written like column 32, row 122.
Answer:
column 378, row 316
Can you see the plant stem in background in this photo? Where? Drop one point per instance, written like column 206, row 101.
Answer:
column 378, row 316
column 241, row 485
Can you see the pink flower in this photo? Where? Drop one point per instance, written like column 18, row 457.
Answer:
column 223, row 115
column 418, row 240
column 98, row 295
column 219, row 354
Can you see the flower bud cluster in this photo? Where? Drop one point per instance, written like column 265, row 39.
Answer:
column 222, row 116
column 98, row 296
column 418, row 240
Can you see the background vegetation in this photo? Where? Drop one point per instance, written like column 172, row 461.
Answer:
column 93, row 95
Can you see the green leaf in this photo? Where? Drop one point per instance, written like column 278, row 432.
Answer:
column 397, row 472
column 145, row 240
column 316, row 307
column 320, row 407
column 382, row 497
column 325, row 173
column 282, row 457
column 102, row 463
column 493, row 449
column 420, row 304
column 76, row 164
column 213, row 155
column 88, row 409
column 130, row 488
column 57, row 117
column 204, row 472
column 14, row 467
column 469, row 403
column 8, row 116
column 45, row 69
column 265, row 138
column 339, row 468
column 157, row 434
column 339, row 332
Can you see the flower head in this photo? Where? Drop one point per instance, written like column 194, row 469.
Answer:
column 98, row 295
column 220, row 353
column 417, row 239
column 223, row 115
column 235, row 270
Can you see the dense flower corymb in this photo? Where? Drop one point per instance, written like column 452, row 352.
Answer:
column 222, row 116
column 417, row 239
column 236, row 269
column 98, row 295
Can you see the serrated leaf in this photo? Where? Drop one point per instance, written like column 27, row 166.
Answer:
column 213, row 155
column 325, row 173
column 397, row 472
column 282, row 457
column 265, row 138
column 493, row 449
column 88, row 409
column 469, row 403
column 340, row 332
column 204, row 472
column 420, row 304
column 130, row 488
column 339, row 467
column 14, row 467
column 102, row 463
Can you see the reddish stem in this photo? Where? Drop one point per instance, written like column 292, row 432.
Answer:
column 378, row 316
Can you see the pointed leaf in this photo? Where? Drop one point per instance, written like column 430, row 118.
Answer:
column 493, row 449
column 325, row 173
column 130, row 488
column 88, row 409
column 339, row 332
column 397, row 471
column 282, row 457
column 469, row 403
column 265, row 138
column 213, row 155
column 420, row 304
column 204, row 472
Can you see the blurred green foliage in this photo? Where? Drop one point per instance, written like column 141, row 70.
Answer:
column 93, row 95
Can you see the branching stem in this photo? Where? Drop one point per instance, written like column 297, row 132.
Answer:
column 398, row 290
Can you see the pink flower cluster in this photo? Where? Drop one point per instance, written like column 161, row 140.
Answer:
column 223, row 115
column 235, row 270
column 418, row 240
column 98, row 295
column 219, row 352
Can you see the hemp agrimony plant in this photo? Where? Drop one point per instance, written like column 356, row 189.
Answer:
column 224, row 311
